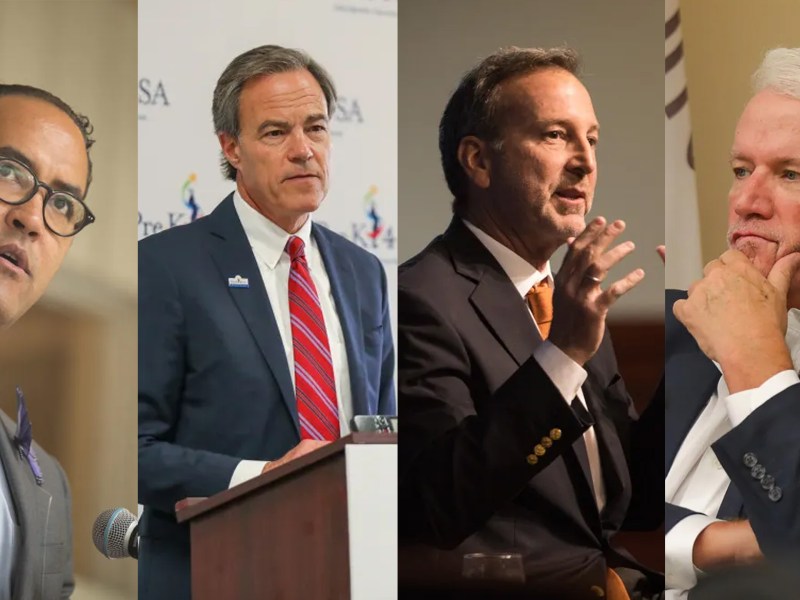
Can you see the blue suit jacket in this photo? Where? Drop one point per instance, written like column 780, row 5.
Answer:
column 214, row 383
column 772, row 433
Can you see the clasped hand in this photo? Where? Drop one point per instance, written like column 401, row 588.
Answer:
column 738, row 317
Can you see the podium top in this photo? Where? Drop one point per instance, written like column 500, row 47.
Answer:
column 190, row 508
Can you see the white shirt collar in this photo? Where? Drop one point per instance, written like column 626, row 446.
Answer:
column 521, row 273
column 266, row 238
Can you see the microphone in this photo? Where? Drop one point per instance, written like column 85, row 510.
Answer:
column 116, row 533
column 374, row 423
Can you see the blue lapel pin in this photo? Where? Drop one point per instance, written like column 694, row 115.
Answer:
column 238, row 282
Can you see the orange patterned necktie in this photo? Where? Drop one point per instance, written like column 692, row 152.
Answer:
column 540, row 300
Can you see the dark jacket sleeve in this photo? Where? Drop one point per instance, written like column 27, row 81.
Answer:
column 771, row 435
column 387, row 401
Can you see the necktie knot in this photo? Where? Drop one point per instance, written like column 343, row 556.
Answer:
column 540, row 301
column 296, row 248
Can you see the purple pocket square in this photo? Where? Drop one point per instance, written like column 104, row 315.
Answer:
column 24, row 437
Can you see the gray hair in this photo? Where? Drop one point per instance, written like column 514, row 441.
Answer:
column 779, row 71
column 264, row 60
column 473, row 107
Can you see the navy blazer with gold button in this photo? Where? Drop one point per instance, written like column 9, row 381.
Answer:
column 487, row 456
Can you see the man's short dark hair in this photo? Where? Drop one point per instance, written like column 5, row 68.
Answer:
column 473, row 107
column 264, row 60
column 83, row 123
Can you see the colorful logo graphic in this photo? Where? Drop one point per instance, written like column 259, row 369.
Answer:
column 373, row 233
column 187, row 195
column 371, row 206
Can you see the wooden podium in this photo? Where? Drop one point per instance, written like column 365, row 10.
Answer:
column 323, row 526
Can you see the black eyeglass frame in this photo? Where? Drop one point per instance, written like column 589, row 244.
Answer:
column 88, row 218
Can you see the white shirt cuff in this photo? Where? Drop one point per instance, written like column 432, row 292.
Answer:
column 679, row 570
column 246, row 469
column 567, row 375
column 741, row 404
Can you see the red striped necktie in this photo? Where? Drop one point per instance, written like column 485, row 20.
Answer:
column 313, row 366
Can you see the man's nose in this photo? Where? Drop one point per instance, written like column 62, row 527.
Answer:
column 753, row 196
column 28, row 217
column 583, row 160
column 299, row 147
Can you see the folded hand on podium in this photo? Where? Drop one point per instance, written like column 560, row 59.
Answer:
column 304, row 447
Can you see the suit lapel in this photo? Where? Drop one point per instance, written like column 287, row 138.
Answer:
column 494, row 297
column 342, row 277
column 31, row 504
column 499, row 304
column 233, row 256
column 690, row 380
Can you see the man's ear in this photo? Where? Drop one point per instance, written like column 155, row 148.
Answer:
column 473, row 155
column 230, row 148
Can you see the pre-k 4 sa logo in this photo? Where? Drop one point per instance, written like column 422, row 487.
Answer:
column 373, row 233
column 174, row 218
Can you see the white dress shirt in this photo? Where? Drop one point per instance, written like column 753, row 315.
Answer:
column 696, row 479
column 8, row 535
column 567, row 375
column 268, row 242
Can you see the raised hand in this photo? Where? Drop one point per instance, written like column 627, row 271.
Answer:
column 580, row 305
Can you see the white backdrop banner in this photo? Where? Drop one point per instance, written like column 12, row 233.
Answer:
column 684, row 260
column 184, row 45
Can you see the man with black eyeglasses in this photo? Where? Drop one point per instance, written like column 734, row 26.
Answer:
column 45, row 171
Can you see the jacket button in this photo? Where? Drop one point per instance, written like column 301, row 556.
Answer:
column 597, row 591
column 546, row 442
column 532, row 459
column 775, row 494
column 768, row 482
column 555, row 434
column 539, row 450
column 750, row 460
column 758, row 472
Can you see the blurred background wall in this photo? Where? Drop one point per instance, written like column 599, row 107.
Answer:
column 724, row 42
column 74, row 354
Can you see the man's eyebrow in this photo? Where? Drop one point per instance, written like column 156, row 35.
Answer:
column 57, row 184
column 316, row 117
column 594, row 128
column 736, row 155
column 272, row 123
column 286, row 125
column 780, row 161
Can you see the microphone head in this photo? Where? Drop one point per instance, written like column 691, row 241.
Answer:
column 112, row 532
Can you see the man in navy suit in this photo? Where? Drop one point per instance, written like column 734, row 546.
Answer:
column 261, row 334
column 732, row 486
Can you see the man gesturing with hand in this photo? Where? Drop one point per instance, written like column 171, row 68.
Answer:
column 518, row 433
column 733, row 347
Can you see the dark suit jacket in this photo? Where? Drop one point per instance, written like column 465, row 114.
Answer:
column 214, row 383
column 474, row 403
column 771, row 433
column 43, row 565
